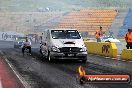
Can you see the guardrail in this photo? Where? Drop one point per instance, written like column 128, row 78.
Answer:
column 102, row 48
column 126, row 54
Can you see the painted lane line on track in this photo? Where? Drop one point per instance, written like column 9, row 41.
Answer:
column 24, row 83
column 1, row 84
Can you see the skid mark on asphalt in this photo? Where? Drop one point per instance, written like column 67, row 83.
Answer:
column 66, row 72
column 30, row 76
column 69, row 69
column 58, row 77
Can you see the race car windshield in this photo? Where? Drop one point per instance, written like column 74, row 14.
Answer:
column 21, row 38
column 65, row 34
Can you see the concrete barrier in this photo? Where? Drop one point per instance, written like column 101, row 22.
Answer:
column 104, row 49
column 126, row 54
column 10, row 35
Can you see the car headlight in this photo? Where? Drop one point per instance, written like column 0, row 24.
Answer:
column 83, row 49
column 55, row 49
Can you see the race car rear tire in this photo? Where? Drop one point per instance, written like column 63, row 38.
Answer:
column 40, row 51
column 49, row 57
column 84, row 60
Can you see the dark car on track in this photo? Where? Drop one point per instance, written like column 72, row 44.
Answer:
column 19, row 41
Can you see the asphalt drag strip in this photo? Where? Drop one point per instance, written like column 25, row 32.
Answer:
column 8, row 79
column 58, row 74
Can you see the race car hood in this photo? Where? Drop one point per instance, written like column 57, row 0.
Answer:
column 68, row 43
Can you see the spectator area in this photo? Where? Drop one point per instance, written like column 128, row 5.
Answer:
column 25, row 22
column 85, row 20
column 88, row 20
column 126, row 24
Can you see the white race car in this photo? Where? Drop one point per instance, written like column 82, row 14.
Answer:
column 109, row 39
